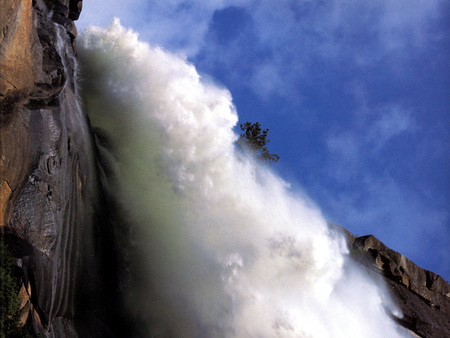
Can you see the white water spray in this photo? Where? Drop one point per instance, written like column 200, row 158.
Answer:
column 229, row 250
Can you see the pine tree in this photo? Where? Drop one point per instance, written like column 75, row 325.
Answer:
column 254, row 142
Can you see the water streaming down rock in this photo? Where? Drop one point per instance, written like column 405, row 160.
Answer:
column 50, row 197
column 51, row 212
column 224, row 247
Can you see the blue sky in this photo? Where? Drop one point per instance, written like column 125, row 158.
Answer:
column 356, row 96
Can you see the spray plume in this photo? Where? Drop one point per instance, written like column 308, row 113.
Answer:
column 226, row 248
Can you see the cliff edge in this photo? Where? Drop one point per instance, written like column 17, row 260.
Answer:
column 422, row 296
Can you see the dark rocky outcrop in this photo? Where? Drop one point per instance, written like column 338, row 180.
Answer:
column 51, row 200
column 422, row 296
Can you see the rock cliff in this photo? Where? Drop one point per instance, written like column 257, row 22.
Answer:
column 421, row 295
column 50, row 197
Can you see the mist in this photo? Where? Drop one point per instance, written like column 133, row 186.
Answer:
column 222, row 247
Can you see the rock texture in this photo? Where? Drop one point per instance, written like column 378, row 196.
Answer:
column 18, row 48
column 50, row 197
column 423, row 296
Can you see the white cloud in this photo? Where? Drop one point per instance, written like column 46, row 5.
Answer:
column 267, row 79
column 344, row 145
column 173, row 24
column 294, row 33
column 301, row 33
column 371, row 131
column 391, row 121
column 404, row 21
column 102, row 12
column 345, row 151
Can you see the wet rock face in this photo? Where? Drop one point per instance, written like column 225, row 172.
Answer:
column 49, row 197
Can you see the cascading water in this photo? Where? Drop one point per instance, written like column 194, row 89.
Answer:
column 225, row 248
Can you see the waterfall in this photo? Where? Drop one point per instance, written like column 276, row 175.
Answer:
column 224, row 247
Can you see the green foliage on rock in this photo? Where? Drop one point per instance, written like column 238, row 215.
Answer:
column 9, row 299
column 254, row 141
